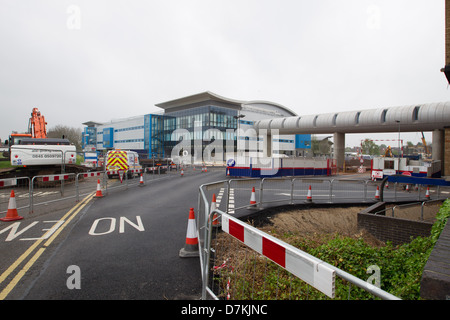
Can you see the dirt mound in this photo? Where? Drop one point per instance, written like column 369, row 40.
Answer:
column 320, row 220
column 314, row 222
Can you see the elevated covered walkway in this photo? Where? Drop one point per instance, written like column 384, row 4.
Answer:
column 434, row 117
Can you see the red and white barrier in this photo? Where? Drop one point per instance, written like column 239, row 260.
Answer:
column 8, row 182
column 308, row 268
column 92, row 174
column 55, row 177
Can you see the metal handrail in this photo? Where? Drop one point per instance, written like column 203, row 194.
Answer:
column 205, row 243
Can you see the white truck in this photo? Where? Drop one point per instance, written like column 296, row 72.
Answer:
column 42, row 152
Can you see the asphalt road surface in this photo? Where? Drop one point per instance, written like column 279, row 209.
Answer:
column 125, row 246
column 122, row 246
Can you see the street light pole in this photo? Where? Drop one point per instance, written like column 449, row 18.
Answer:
column 239, row 116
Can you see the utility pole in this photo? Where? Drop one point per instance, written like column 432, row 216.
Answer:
column 446, row 69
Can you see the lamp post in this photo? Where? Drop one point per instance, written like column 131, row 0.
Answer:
column 237, row 120
column 237, row 130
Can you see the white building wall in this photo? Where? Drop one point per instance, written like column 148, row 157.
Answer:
column 281, row 144
column 128, row 133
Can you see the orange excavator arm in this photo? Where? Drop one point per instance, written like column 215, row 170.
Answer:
column 37, row 125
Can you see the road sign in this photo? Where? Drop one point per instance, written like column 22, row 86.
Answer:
column 231, row 163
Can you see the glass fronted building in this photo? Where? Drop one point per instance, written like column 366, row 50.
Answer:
column 201, row 121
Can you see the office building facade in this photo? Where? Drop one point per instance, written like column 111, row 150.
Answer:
column 198, row 123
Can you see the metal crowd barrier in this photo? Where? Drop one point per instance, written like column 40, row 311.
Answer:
column 21, row 187
column 310, row 269
column 234, row 195
column 313, row 271
column 42, row 190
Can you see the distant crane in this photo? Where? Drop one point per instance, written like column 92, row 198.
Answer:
column 425, row 145
column 37, row 129
column 37, row 126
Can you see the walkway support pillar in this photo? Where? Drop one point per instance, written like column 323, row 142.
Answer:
column 446, row 161
column 437, row 152
column 339, row 149
column 267, row 144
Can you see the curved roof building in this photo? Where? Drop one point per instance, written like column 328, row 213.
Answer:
column 234, row 119
column 200, row 99
column 204, row 116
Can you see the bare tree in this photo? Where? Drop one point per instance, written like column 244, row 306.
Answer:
column 70, row 133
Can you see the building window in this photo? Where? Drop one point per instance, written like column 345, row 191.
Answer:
column 250, row 123
column 383, row 116
column 357, row 117
column 315, row 121
column 334, row 119
column 415, row 116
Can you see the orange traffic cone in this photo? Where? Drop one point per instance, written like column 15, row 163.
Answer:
column 182, row 172
column 141, row 181
column 427, row 194
column 309, row 195
column 377, row 193
column 253, row 197
column 191, row 247
column 12, row 214
column 99, row 193
column 215, row 221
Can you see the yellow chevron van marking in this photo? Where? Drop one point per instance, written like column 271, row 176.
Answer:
column 118, row 163
column 118, row 159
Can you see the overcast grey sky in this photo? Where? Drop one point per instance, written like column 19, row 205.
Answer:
column 82, row 60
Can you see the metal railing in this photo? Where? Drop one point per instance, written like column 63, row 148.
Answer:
column 273, row 191
column 315, row 272
column 31, row 193
column 235, row 195
column 22, row 192
column 415, row 210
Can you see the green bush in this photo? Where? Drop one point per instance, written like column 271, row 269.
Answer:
column 401, row 266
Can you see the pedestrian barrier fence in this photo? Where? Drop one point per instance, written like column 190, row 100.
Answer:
column 261, row 167
column 237, row 194
column 51, row 188
column 314, row 272
column 21, row 187
column 32, row 193
column 414, row 210
column 308, row 268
